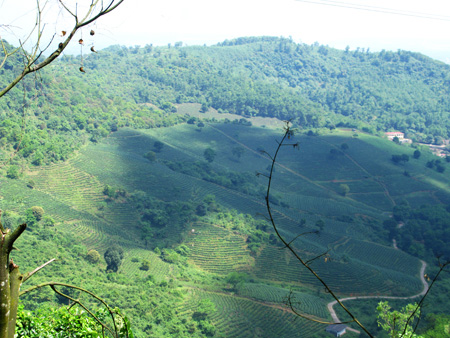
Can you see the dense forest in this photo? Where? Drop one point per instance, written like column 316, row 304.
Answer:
column 312, row 85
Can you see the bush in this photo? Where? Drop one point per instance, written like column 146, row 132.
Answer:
column 13, row 172
column 209, row 154
column 38, row 212
column 151, row 156
column 93, row 256
column 31, row 184
column 48, row 221
column 344, row 189
column 145, row 266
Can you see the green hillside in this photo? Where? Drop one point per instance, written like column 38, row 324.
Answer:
column 156, row 150
column 191, row 257
column 314, row 86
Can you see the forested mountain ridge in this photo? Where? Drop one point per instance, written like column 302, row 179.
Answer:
column 314, row 86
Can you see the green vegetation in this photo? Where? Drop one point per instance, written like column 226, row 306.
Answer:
column 113, row 258
column 93, row 256
column 59, row 322
column 398, row 323
column 425, row 233
column 314, row 86
column 186, row 231
column 209, row 155
column 162, row 216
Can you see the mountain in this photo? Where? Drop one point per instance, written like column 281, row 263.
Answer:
column 116, row 156
column 314, row 86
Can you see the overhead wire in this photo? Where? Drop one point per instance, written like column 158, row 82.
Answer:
column 376, row 9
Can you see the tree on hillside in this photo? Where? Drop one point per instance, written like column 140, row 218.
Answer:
column 113, row 258
column 400, row 158
column 38, row 212
column 344, row 189
column 209, row 154
column 236, row 278
column 33, row 60
column 93, row 256
column 150, row 155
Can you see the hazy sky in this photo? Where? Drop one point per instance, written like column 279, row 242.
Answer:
column 140, row 22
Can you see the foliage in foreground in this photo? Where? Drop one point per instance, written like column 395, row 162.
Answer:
column 63, row 322
column 398, row 323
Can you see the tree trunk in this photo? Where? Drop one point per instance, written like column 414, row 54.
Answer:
column 5, row 294
column 10, row 282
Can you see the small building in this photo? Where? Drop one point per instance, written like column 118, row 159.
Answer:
column 336, row 330
column 391, row 134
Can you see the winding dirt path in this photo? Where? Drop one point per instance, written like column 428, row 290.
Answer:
column 421, row 294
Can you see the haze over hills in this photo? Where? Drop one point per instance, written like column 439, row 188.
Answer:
column 118, row 155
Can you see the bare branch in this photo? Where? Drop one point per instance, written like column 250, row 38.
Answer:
column 77, row 302
column 12, row 237
column 68, row 10
column 31, row 65
column 303, row 234
column 317, row 257
column 29, row 274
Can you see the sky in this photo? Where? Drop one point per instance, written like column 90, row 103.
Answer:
column 196, row 22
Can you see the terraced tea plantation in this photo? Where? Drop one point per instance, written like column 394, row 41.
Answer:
column 306, row 193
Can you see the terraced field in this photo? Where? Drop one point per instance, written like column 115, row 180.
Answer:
column 71, row 193
column 242, row 317
column 304, row 303
column 218, row 250
column 70, row 185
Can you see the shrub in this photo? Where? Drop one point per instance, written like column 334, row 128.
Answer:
column 48, row 221
column 145, row 265
column 93, row 256
column 13, row 172
column 38, row 212
column 151, row 156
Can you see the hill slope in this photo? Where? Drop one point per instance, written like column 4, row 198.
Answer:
column 224, row 240
column 314, row 86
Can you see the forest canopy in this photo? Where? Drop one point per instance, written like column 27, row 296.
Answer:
column 313, row 85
